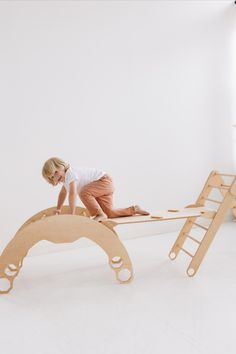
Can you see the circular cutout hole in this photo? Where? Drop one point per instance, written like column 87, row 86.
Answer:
column 190, row 272
column 116, row 262
column 10, row 272
column 124, row 274
column 12, row 267
column 172, row 255
column 5, row 284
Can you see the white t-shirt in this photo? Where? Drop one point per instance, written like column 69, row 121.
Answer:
column 82, row 176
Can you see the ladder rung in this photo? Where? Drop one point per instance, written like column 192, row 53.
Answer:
column 225, row 174
column 194, row 239
column 189, row 254
column 202, row 227
column 222, row 186
column 212, row 200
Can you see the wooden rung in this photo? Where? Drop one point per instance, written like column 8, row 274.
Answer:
column 194, row 239
column 212, row 200
column 225, row 174
column 202, row 227
column 222, row 186
column 189, row 254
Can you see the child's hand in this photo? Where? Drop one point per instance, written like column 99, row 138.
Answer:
column 57, row 212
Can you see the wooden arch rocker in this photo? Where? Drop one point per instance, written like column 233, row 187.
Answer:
column 62, row 229
column 69, row 228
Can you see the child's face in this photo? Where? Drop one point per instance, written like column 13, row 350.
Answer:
column 59, row 176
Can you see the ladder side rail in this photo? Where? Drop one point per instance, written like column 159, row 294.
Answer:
column 224, row 191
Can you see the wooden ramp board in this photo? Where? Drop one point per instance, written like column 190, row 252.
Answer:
column 162, row 215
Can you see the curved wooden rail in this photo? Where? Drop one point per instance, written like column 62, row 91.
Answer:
column 62, row 229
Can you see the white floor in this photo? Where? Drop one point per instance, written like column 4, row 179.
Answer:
column 69, row 302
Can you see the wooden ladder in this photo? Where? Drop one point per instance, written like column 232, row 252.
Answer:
column 228, row 191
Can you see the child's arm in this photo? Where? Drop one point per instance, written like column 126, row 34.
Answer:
column 72, row 197
column 61, row 198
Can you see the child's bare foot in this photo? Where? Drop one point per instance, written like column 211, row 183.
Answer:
column 100, row 217
column 140, row 211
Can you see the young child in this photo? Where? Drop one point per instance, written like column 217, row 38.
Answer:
column 94, row 187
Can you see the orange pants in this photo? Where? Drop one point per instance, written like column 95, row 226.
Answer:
column 97, row 198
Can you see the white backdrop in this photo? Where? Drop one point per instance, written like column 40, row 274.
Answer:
column 142, row 89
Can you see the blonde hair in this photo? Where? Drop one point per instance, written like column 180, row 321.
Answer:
column 51, row 166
